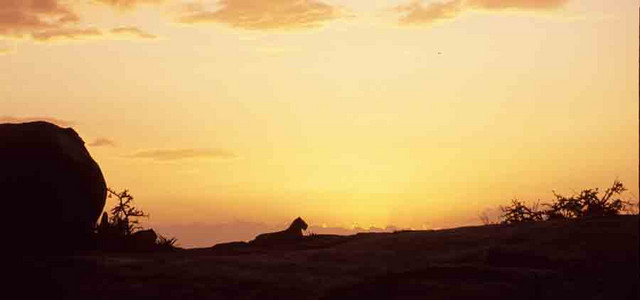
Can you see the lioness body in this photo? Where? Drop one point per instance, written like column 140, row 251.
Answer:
column 293, row 233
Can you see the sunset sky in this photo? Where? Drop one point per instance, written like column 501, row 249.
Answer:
column 225, row 118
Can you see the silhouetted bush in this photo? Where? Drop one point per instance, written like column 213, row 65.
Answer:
column 122, row 231
column 585, row 204
column 124, row 215
column 518, row 212
column 588, row 204
column 164, row 243
column 632, row 208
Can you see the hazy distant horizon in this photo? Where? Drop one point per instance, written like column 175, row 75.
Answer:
column 201, row 235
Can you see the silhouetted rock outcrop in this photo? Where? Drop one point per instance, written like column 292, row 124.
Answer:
column 52, row 190
column 144, row 239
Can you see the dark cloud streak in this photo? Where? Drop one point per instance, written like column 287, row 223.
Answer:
column 66, row 34
column 180, row 154
column 102, row 142
column 133, row 32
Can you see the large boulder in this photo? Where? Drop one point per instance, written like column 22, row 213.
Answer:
column 144, row 240
column 52, row 191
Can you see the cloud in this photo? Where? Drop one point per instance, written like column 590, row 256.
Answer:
column 102, row 142
column 132, row 31
column 20, row 17
column 88, row 33
column 54, row 20
column 128, row 4
column 518, row 4
column 66, row 34
column 264, row 15
column 418, row 13
column 59, row 122
column 180, row 154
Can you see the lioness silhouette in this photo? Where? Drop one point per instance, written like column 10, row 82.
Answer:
column 293, row 233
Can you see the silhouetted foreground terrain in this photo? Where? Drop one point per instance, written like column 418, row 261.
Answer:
column 585, row 259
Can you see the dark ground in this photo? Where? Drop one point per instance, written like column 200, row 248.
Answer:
column 586, row 259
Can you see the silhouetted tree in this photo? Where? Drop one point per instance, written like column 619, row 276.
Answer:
column 121, row 231
column 124, row 215
column 518, row 212
column 588, row 204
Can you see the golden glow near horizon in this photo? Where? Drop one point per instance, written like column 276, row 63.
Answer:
column 407, row 113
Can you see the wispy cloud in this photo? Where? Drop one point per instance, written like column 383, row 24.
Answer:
column 59, row 122
column 132, row 31
column 66, row 34
column 102, row 142
column 128, row 4
column 181, row 154
column 518, row 4
column 419, row 13
column 264, row 15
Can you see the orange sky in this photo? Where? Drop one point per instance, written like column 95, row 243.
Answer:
column 416, row 114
